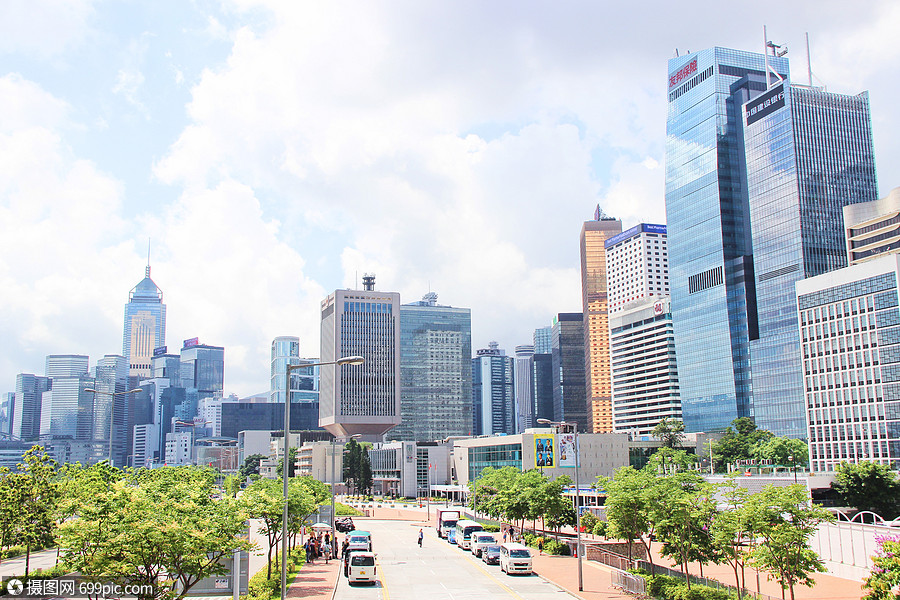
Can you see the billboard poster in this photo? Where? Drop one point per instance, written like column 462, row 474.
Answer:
column 544, row 451
column 567, row 455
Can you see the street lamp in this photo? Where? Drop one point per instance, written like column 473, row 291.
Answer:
column 346, row 360
column 793, row 467
column 112, row 408
column 334, row 481
column 574, row 427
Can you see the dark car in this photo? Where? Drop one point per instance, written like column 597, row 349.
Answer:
column 344, row 524
column 491, row 554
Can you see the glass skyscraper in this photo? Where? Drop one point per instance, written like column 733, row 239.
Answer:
column 435, row 371
column 570, row 402
column 809, row 153
column 708, row 222
column 145, row 326
column 493, row 391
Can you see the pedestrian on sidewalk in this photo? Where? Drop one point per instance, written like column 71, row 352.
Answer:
column 540, row 545
column 421, row 536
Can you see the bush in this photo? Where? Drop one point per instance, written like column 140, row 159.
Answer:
column 490, row 528
column 600, row 528
column 557, row 548
column 343, row 510
column 671, row 588
column 12, row 552
column 260, row 588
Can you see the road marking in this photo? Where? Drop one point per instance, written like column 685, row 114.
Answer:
column 384, row 590
column 508, row 589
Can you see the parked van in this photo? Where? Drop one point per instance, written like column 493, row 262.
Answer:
column 361, row 568
column 515, row 558
column 464, row 531
column 360, row 540
column 480, row 540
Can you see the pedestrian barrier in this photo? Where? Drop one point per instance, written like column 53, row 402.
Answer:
column 713, row 583
column 633, row 584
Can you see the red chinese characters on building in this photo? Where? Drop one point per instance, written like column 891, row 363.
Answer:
column 683, row 73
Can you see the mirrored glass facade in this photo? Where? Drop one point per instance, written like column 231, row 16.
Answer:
column 809, row 153
column 710, row 264
column 435, row 372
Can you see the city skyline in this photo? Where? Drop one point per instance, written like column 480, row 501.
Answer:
column 438, row 146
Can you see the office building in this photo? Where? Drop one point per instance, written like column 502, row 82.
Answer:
column 524, row 376
column 410, row 469
column 543, row 340
column 26, row 414
column 7, row 408
column 849, row 328
column 363, row 399
column 493, row 391
column 541, row 367
column 203, row 368
column 269, row 416
column 144, row 449
column 304, row 382
column 111, row 409
column 708, row 221
column 210, row 409
column 570, row 402
column 145, row 325
column 872, row 228
column 644, row 371
column 66, row 408
column 809, row 153
column 435, row 371
column 637, row 265
column 595, row 307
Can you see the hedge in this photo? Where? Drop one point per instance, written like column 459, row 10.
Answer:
column 665, row 587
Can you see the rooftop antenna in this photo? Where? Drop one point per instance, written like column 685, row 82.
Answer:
column 776, row 51
column 147, row 273
column 676, row 53
column 808, row 63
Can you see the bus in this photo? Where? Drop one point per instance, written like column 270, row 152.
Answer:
column 464, row 531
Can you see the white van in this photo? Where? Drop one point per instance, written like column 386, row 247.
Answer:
column 480, row 540
column 361, row 568
column 515, row 558
column 360, row 540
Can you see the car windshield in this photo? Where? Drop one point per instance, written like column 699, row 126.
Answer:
column 359, row 540
column 519, row 553
column 362, row 561
column 492, row 549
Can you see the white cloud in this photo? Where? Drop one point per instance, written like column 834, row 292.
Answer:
column 44, row 28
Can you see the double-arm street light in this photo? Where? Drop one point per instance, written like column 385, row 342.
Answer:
column 346, row 360
column 574, row 426
column 112, row 412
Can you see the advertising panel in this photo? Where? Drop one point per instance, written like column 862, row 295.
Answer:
column 568, row 454
column 160, row 351
column 764, row 105
column 191, row 342
column 544, row 451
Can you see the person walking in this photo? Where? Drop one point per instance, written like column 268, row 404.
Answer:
column 421, row 536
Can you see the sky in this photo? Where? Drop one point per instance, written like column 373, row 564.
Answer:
column 271, row 151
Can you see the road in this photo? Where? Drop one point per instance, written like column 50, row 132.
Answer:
column 39, row 560
column 437, row 571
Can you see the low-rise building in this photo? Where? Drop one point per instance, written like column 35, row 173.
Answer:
column 410, row 469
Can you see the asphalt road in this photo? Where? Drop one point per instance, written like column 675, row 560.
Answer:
column 437, row 571
column 39, row 560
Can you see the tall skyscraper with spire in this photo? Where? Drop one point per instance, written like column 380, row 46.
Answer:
column 145, row 325
column 595, row 311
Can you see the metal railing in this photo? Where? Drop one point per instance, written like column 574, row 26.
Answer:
column 633, row 584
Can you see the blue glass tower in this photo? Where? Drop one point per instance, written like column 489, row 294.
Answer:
column 145, row 326
column 710, row 248
column 809, row 153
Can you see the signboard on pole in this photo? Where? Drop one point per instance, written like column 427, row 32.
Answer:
column 568, row 454
column 544, row 451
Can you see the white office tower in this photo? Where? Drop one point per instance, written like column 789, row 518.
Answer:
column 644, row 373
column 637, row 265
column 524, row 388
column 363, row 399
column 67, row 409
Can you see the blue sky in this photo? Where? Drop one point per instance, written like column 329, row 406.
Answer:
column 274, row 151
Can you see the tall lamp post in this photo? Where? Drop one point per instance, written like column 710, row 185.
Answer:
column 574, row 427
column 346, row 360
column 112, row 412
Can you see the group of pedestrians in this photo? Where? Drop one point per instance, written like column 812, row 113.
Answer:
column 318, row 546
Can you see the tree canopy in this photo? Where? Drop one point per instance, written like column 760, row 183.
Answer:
column 870, row 486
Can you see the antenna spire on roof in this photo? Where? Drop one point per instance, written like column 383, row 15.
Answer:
column 147, row 272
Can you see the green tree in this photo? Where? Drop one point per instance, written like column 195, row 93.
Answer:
column 681, row 506
column 783, row 451
column 365, row 472
column 628, row 505
column 352, row 464
column 883, row 582
column 666, row 460
column 264, row 500
column 149, row 524
column 870, row 486
column 39, row 495
column 251, row 465
column 739, row 442
column 292, row 463
column 232, row 485
column 12, row 487
column 730, row 528
column 785, row 519
column 670, row 432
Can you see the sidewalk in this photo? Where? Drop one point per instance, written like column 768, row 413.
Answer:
column 315, row 581
column 562, row 571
